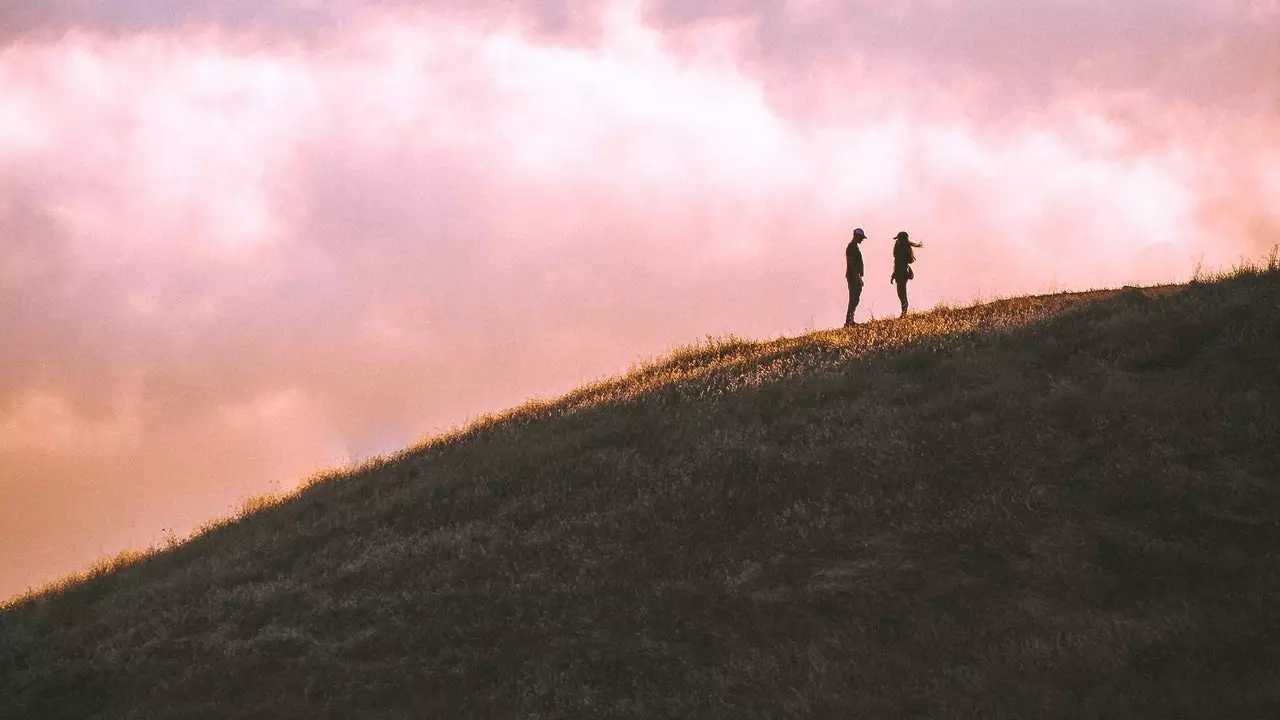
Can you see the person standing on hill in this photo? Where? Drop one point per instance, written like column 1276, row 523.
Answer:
column 903, row 256
column 853, row 274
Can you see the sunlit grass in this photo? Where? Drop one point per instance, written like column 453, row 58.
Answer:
column 1054, row 506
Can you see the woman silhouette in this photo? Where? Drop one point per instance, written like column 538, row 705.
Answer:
column 903, row 256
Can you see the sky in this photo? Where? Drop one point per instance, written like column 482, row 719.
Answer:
column 245, row 241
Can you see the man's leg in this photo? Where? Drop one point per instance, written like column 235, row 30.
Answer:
column 902, row 294
column 855, row 295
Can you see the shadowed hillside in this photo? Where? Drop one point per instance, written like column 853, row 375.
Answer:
column 1061, row 506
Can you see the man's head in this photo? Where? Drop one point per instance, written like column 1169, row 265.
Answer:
column 859, row 235
column 902, row 236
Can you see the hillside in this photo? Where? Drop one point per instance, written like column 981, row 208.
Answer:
column 1060, row 506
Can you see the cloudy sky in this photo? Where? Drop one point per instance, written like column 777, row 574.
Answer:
column 241, row 244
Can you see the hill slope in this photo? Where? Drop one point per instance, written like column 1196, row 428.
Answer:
column 1060, row 506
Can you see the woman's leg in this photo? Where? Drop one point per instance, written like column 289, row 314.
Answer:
column 902, row 294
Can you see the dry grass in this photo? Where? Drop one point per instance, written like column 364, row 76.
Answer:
column 1058, row 506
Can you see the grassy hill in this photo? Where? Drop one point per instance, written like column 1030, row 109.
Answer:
column 1062, row 506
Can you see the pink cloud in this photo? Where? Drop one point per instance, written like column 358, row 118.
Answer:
column 235, row 251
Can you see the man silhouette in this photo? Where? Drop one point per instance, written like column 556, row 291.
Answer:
column 853, row 274
column 903, row 256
